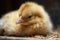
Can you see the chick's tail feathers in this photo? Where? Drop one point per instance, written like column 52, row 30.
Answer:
column 1, row 26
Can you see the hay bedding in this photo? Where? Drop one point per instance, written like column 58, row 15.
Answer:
column 53, row 36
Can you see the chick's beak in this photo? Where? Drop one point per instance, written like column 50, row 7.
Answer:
column 20, row 20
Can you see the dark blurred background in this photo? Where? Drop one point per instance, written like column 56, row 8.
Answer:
column 51, row 6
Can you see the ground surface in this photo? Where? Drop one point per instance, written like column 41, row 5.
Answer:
column 54, row 36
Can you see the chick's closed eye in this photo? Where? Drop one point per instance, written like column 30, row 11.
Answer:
column 29, row 16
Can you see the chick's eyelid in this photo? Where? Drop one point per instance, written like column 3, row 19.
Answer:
column 29, row 16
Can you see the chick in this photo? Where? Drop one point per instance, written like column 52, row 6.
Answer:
column 30, row 19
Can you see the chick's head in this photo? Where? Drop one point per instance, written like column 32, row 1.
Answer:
column 29, row 14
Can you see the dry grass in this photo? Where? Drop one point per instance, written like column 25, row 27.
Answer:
column 54, row 36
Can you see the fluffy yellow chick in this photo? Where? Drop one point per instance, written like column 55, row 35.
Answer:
column 30, row 19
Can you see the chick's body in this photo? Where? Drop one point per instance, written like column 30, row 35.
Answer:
column 29, row 19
